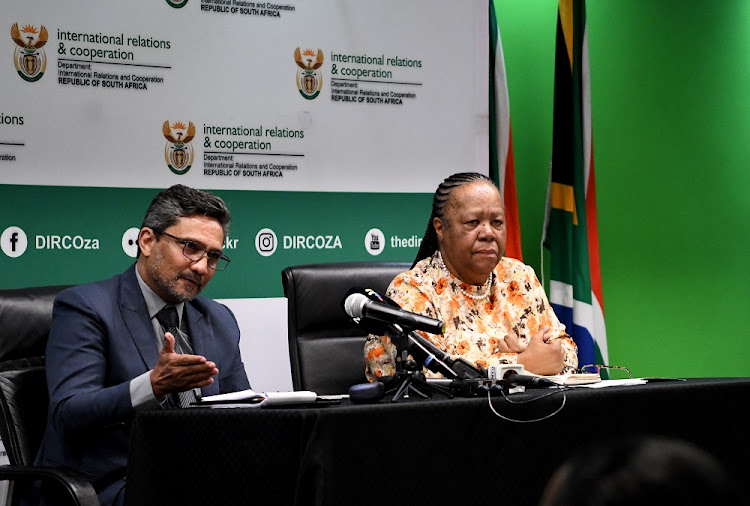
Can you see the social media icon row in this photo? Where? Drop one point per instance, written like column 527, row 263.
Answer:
column 14, row 242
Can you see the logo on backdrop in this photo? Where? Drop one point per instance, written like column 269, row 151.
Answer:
column 130, row 242
column 374, row 241
column 266, row 242
column 177, row 4
column 178, row 152
column 309, row 78
column 13, row 242
column 29, row 57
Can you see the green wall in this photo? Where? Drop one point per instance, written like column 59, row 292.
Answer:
column 670, row 109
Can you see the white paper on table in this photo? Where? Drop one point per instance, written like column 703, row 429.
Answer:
column 613, row 383
column 250, row 398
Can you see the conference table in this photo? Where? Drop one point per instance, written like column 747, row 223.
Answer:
column 474, row 450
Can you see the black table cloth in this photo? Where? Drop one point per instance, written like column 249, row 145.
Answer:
column 435, row 451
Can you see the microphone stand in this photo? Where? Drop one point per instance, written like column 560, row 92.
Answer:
column 409, row 376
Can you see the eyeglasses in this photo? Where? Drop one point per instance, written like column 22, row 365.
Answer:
column 597, row 369
column 195, row 251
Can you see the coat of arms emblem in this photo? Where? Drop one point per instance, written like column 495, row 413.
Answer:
column 29, row 57
column 178, row 152
column 309, row 79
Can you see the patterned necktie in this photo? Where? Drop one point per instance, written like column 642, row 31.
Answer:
column 168, row 319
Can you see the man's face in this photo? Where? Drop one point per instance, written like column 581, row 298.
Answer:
column 162, row 265
column 472, row 234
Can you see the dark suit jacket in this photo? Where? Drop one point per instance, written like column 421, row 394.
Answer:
column 101, row 338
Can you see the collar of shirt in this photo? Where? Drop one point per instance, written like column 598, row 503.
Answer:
column 154, row 303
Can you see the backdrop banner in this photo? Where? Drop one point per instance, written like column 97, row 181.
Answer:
column 325, row 125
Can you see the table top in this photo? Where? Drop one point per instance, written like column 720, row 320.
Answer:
column 336, row 454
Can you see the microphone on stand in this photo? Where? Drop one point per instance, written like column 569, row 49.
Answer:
column 461, row 368
column 516, row 378
column 359, row 305
column 364, row 305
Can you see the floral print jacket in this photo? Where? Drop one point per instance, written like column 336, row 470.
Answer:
column 475, row 326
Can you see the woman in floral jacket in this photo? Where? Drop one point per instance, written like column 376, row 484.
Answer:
column 494, row 309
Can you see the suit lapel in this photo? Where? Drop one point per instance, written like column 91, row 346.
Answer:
column 202, row 339
column 135, row 315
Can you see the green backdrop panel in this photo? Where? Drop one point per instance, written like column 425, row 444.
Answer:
column 86, row 237
column 669, row 110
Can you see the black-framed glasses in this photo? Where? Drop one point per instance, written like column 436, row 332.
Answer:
column 217, row 260
column 597, row 369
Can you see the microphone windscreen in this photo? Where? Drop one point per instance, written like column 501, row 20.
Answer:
column 366, row 392
column 354, row 305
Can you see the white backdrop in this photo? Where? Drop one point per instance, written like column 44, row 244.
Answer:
column 98, row 99
column 90, row 111
column 238, row 71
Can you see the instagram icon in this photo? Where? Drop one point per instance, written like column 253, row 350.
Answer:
column 266, row 242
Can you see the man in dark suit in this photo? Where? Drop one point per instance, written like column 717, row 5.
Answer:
column 111, row 352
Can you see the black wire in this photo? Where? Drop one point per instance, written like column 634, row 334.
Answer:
column 557, row 390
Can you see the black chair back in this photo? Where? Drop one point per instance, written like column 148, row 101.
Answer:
column 25, row 321
column 23, row 404
column 326, row 349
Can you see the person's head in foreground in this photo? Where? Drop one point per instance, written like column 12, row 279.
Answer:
column 640, row 470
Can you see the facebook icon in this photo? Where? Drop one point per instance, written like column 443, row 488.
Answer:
column 13, row 242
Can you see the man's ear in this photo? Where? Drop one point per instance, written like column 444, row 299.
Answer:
column 146, row 240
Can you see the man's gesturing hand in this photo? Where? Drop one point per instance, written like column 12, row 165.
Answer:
column 176, row 372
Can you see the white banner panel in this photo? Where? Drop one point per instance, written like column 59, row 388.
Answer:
column 325, row 124
column 326, row 95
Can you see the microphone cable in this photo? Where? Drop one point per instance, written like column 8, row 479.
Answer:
column 510, row 401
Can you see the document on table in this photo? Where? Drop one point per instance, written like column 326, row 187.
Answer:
column 615, row 383
column 250, row 398
column 594, row 380
column 571, row 379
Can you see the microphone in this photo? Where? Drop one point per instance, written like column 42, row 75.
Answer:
column 359, row 301
column 524, row 380
column 458, row 368
column 429, row 355
column 358, row 305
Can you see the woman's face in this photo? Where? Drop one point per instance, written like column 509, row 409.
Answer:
column 471, row 234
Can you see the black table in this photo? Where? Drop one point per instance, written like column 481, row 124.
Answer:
column 437, row 451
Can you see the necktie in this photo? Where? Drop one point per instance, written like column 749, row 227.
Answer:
column 168, row 319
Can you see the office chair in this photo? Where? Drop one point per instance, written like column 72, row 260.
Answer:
column 25, row 319
column 326, row 349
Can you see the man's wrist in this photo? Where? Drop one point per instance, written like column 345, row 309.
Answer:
column 142, row 392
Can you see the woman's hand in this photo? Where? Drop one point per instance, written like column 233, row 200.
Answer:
column 544, row 354
column 511, row 343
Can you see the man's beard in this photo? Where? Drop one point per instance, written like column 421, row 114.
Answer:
column 169, row 284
